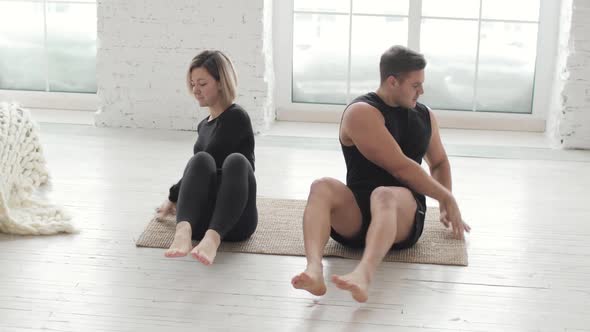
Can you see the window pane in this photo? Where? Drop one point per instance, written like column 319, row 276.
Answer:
column 77, row 1
column 522, row 10
column 451, row 8
column 331, row 6
column 506, row 67
column 22, row 54
column 450, row 72
column 320, row 58
column 366, row 51
column 381, row 7
column 71, row 43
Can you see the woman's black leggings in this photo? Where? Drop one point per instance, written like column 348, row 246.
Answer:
column 224, row 201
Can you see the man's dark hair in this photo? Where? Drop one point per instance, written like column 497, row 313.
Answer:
column 399, row 60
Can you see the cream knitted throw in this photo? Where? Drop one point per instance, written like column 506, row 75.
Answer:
column 22, row 172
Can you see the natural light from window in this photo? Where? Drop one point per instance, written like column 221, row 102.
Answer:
column 480, row 58
column 48, row 46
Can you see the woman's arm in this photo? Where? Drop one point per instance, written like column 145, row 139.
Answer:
column 173, row 192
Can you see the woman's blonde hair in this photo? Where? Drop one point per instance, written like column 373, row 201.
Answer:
column 221, row 68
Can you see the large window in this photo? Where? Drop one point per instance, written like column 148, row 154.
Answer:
column 481, row 54
column 48, row 45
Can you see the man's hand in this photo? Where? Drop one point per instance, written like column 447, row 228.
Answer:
column 167, row 208
column 451, row 216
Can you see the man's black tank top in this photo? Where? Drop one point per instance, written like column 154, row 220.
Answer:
column 410, row 127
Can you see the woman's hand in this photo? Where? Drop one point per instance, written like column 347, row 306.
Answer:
column 167, row 208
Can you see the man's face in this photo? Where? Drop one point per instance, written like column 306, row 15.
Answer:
column 408, row 88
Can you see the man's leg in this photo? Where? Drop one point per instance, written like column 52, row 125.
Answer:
column 393, row 211
column 330, row 203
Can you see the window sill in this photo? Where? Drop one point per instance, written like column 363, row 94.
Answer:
column 446, row 119
column 51, row 100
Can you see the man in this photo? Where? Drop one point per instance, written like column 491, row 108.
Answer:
column 384, row 137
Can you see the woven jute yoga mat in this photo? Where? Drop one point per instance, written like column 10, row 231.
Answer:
column 280, row 232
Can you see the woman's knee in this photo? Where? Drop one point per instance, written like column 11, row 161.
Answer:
column 202, row 161
column 235, row 162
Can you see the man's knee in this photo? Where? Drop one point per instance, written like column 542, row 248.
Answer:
column 385, row 197
column 323, row 187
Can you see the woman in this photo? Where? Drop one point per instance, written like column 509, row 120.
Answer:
column 216, row 198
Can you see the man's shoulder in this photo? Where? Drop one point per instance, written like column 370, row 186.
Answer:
column 422, row 111
column 368, row 99
column 422, row 108
column 361, row 109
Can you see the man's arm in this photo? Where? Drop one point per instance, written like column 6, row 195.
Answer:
column 436, row 157
column 364, row 126
column 440, row 167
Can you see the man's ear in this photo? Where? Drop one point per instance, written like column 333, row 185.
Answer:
column 391, row 80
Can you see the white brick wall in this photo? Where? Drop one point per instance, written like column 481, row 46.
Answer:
column 145, row 46
column 569, row 120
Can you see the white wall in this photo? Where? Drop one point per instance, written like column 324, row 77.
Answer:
column 569, row 119
column 145, row 46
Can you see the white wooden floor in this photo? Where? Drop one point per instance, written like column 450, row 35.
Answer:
column 529, row 252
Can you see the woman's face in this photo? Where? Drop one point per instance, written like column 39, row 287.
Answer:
column 204, row 86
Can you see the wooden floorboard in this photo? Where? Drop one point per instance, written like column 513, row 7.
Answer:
column 529, row 253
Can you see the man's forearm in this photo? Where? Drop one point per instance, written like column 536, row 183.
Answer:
column 422, row 182
column 442, row 174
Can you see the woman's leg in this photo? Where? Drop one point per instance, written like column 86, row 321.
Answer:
column 195, row 201
column 234, row 216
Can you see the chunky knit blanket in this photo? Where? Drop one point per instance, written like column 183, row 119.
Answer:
column 22, row 171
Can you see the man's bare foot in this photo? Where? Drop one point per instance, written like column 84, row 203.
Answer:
column 182, row 243
column 206, row 250
column 311, row 280
column 356, row 282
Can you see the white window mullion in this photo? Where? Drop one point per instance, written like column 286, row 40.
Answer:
column 414, row 22
column 546, row 61
column 349, row 65
column 283, row 34
column 475, row 79
column 45, row 45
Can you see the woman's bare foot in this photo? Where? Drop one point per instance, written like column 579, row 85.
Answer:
column 182, row 243
column 206, row 250
column 356, row 282
column 165, row 210
column 311, row 280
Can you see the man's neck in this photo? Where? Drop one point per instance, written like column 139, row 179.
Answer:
column 386, row 97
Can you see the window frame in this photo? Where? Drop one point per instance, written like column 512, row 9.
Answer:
column 79, row 101
column 286, row 110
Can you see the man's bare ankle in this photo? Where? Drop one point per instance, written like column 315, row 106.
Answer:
column 314, row 266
